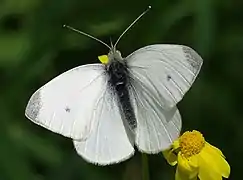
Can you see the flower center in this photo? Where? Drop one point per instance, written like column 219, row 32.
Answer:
column 191, row 143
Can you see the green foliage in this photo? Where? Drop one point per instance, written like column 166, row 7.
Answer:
column 34, row 48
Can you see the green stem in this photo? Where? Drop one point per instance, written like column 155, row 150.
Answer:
column 145, row 167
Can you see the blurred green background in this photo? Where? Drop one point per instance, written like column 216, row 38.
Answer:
column 34, row 48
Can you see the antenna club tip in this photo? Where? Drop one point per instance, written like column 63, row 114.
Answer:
column 149, row 7
column 64, row 25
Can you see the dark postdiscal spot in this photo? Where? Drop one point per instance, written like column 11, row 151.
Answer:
column 67, row 109
column 168, row 77
column 34, row 106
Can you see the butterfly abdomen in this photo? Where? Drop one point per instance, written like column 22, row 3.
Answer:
column 119, row 81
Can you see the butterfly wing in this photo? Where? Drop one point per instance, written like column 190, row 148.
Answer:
column 65, row 105
column 156, row 128
column 109, row 142
column 167, row 71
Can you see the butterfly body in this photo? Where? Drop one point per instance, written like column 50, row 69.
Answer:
column 119, row 84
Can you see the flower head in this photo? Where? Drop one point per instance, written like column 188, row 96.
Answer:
column 196, row 158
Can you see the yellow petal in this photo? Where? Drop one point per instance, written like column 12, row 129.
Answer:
column 193, row 162
column 103, row 59
column 182, row 176
column 215, row 149
column 206, row 172
column 176, row 144
column 214, row 160
column 187, row 166
column 170, row 157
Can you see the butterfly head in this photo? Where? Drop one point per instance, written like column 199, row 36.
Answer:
column 113, row 55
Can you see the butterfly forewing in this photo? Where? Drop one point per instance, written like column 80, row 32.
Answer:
column 65, row 105
column 168, row 71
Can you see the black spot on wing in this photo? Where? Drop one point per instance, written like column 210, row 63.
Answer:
column 67, row 109
column 34, row 106
column 168, row 77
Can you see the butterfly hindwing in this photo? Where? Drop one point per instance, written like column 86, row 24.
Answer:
column 109, row 142
column 157, row 128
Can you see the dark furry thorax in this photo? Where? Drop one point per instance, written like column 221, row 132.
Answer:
column 119, row 82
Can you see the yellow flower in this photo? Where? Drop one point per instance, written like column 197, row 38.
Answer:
column 196, row 158
column 103, row 59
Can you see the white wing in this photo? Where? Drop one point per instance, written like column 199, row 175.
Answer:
column 167, row 71
column 65, row 105
column 110, row 141
column 156, row 128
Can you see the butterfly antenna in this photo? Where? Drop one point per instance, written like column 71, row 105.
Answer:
column 88, row 35
column 111, row 43
column 141, row 15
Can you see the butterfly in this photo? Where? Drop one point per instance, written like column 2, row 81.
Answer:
column 107, row 108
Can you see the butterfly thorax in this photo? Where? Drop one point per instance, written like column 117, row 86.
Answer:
column 119, row 83
column 115, row 55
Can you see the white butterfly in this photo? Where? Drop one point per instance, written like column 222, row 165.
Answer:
column 110, row 107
